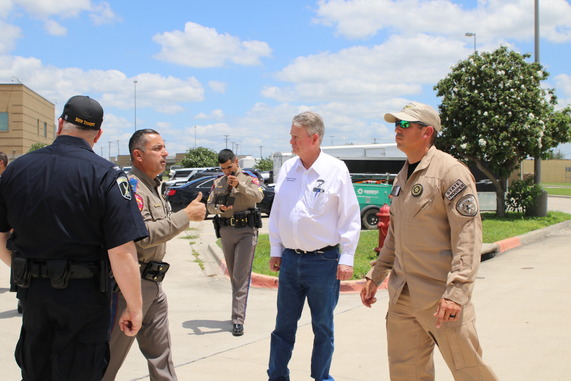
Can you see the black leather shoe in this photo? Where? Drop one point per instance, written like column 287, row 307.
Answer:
column 237, row 329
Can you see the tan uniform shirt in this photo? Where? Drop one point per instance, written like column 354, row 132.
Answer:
column 247, row 194
column 161, row 223
column 435, row 233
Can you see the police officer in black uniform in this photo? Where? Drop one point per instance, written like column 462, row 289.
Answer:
column 73, row 213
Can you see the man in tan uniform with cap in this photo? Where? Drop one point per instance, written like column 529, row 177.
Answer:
column 234, row 198
column 148, row 155
column 432, row 252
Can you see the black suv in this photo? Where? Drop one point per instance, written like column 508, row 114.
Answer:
column 180, row 196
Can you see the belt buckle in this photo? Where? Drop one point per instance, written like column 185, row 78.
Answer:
column 232, row 221
column 299, row 251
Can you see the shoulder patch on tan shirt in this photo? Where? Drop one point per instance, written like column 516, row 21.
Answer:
column 455, row 190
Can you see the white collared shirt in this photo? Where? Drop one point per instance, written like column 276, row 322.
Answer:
column 314, row 208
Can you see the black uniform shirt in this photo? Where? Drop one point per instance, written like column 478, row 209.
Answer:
column 65, row 201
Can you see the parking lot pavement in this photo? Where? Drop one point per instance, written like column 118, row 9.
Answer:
column 521, row 299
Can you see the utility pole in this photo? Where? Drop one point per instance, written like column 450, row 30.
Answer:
column 261, row 156
column 135, row 84
column 537, row 161
column 226, row 140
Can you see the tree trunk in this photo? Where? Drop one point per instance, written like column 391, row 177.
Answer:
column 499, row 186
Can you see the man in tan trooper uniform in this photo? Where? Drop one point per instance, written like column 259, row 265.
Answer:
column 432, row 252
column 148, row 155
column 234, row 198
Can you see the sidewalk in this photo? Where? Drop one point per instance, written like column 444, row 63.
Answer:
column 521, row 299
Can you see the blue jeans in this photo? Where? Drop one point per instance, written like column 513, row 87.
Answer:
column 313, row 276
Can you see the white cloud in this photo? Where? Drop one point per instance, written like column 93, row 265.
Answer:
column 563, row 82
column 164, row 94
column 10, row 35
column 102, row 14
column 54, row 28
column 199, row 46
column 399, row 67
column 217, row 86
column 507, row 18
column 215, row 114
column 5, row 7
column 48, row 8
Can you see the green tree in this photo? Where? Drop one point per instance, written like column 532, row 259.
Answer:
column 495, row 113
column 265, row 164
column 200, row 157
column 36, row 146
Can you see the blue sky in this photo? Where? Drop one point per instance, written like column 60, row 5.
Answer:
column 227, row 73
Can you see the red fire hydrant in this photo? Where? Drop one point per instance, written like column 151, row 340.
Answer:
column 383, row 225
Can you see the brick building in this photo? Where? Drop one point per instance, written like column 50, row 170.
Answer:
column 25, row 118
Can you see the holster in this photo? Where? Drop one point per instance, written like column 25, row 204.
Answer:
column 21, row 274
column 216, row 223
column 257, row 216
column 154, row 270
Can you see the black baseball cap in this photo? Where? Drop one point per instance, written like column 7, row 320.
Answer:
column 83, row 111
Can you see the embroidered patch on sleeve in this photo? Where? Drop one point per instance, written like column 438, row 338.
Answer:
column 124, row 187
column 467, row 206
column 455, row 190
column 140, row 202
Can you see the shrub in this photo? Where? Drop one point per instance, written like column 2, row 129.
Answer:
column 522, row 195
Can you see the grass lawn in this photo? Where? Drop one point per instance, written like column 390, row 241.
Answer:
column 557, row 189
column 495, row 229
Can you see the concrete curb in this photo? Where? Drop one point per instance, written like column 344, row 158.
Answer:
column 489, row 250
column 532, row 236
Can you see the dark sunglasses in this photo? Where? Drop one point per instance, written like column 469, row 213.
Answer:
column 407, row 124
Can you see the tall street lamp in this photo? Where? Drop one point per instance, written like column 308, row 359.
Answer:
column 470, row 34
column 135, row 85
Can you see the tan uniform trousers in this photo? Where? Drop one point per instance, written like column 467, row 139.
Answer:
column 238, row 245
column 153, row 338
column 411, row 336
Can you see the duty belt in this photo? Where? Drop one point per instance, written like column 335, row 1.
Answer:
column 40, row 270
column 58, row 271
column 241, row 219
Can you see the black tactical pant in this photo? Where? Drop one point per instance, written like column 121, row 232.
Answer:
column 64, row 332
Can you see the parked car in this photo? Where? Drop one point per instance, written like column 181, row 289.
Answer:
column 173, row 168
column 183, row 175
column 180, row 196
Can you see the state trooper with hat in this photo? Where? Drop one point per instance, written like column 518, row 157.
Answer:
column 233, row 198
column 73, row 213
column 432, row 253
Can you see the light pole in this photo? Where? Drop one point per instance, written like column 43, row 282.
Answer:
column 135, row 85
column 470, row 34
column 537, row 161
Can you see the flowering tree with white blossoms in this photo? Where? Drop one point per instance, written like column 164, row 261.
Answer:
column 495, row 114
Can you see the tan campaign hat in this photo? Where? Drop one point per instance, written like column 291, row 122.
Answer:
column 416, row 112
